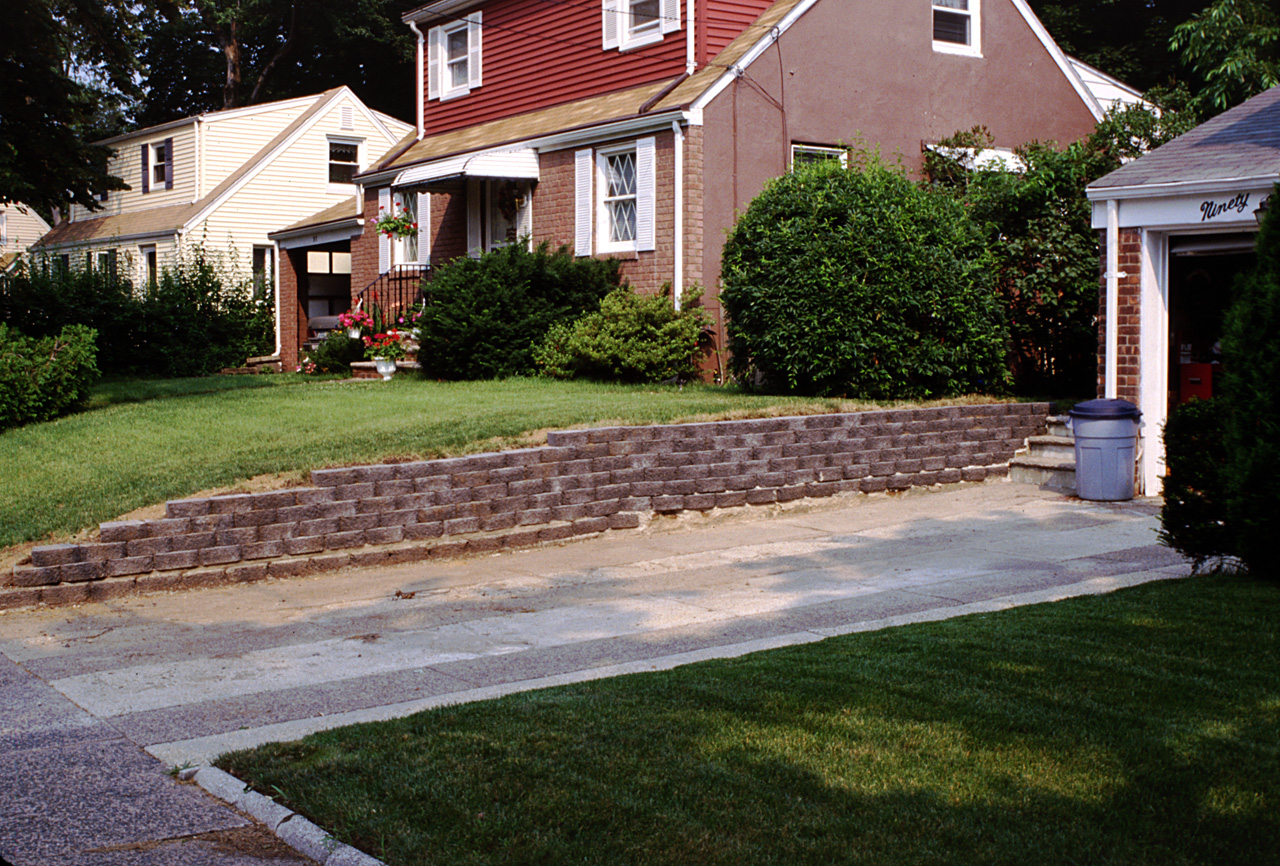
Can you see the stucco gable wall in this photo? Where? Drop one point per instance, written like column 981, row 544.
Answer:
column 874, row 74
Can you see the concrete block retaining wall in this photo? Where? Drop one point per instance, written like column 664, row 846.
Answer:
column 582, row 482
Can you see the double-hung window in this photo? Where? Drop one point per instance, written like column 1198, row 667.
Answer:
column 344, row 160
column 631, row 24
column 157, row 165
column 453, row 58
column 956, row 27
column 615, row 198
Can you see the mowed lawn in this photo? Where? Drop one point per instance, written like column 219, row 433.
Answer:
column 142, row 442
column 1141, row 727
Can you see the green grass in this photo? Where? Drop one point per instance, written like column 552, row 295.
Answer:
column 141, row 442
column 1141, row 727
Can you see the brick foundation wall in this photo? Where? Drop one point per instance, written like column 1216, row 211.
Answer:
column 582, row 482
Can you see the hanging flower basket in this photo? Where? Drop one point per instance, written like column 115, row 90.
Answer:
column 396, row 224
column 356, row 322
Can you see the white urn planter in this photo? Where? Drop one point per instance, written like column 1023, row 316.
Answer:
column 385, row 367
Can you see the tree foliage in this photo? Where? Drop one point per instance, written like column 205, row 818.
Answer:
column 67, row 66
column 1234, row 46
column 858, row 282
column 207, row 55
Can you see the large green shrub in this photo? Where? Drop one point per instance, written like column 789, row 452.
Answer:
column 41, row 378
column 196, row 319
column 1193, row 519
column 483, row 317
column 858, row 282
column 631, row 338
column 335, row 354
column 1251, row 386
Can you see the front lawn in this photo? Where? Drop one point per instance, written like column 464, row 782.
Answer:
column 1141, row 727
column 141, row 442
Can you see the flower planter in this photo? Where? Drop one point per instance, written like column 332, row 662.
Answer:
column 385, row 367
column 353, row 333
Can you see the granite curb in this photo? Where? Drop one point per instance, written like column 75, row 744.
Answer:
column 294, row 830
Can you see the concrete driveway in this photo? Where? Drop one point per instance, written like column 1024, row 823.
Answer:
column 99, row 700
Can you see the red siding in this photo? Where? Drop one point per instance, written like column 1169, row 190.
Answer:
column 722, row 21
column 536, row 55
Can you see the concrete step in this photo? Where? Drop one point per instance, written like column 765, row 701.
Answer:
column 1057, row 447
column 1058, row 426
column 1047, row 473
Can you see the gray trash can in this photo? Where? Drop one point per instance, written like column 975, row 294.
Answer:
column 1106, row 434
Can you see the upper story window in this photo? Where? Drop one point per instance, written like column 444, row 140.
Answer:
column 631, row 24
column 157, row 165
column 344, row 160
column 956, row 27
column 453, row 58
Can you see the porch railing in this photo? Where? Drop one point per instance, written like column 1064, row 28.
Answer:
column 394, row 292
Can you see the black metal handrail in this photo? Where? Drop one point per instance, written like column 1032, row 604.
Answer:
column 394, row 292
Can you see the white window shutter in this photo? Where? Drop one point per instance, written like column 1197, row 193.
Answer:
column 424, row 228
column 646, row 193
column 670, row 15
column 524, row 215
column 434, row 37
column 475, row 243
column 583, row 211
column 384, row 242
column 612, row 15
column 473, row 49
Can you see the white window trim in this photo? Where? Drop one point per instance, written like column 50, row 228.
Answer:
column 974, row 48
column 405, row 250
column 342, row 188
column 644, row 151
column 438, row 78
column 159, row 161
column 825, row 150
column 617, row 32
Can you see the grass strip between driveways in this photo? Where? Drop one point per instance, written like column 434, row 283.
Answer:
column 141, row 442
column 1141, row 727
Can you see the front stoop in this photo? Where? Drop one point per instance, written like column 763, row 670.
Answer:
column 1048, row 461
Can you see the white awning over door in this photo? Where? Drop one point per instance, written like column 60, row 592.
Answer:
column 519, row 164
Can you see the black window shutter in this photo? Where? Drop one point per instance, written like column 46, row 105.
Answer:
column 146, row 168
column 168, row 163
column 111, row 263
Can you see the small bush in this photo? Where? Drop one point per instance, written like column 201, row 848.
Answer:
column 632, row 338
column 857, row 282
column 335, row 354
column 1193, row 519
column 41, row 378
column 484, row 316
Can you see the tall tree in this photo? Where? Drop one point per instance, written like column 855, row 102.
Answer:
column 68, row 68
column 214, row 54
column 1234, row 46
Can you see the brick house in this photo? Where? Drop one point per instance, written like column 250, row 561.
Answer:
column 640, row 128
column 1178, row 224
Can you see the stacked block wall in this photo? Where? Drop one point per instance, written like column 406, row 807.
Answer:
column 582, row 482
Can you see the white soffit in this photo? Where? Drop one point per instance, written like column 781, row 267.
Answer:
column 519, row 164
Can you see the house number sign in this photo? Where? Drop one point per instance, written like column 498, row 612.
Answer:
column 1213, row 209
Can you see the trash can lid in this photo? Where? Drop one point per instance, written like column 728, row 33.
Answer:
column 1105, row 409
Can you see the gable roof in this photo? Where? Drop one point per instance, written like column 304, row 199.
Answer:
column 1241, row 144
column 678, row 94
column 169, row 220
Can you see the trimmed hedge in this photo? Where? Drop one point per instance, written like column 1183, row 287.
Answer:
column 857, row 282
column 42, row 378
column 1193, row 519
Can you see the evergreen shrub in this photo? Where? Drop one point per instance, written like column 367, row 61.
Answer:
column 42, row 378
column 1193, row 519
column 631, row 338
column 335, row 354
column 857, row 282
column 1251, row 386
column 484, row 317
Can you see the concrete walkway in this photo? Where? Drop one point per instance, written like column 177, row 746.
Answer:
column 87, row 691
